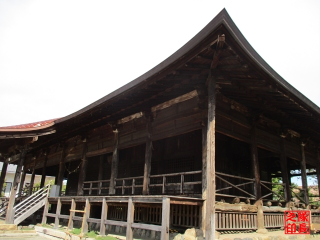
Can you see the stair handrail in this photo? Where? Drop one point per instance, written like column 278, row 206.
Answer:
column 45, row 188
column 25, row 203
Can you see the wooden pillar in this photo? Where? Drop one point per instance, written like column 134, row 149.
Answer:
column 318, row 170
column 72, row 213
column 16, row 180
column 304, row 174
column 255, row 162
column 45, row 211
column 62, row 169
column 147, row 163
column 204, row 173
column 165, row 220
column 115, row 162
column 58, row 211
column 130, row 219
column 23, row 177
column 104, row 214
column 284, row 171
column 32, row 178
column 86, row 216
column 3, row 175
column 210, row 171
column 83, row 168
column 43, row 177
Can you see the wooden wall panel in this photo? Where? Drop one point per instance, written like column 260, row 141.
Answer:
column 268, row 141
column 293, row 150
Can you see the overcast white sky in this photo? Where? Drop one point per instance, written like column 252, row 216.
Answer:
column 57, row 57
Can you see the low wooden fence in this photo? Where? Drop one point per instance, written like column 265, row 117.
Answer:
column 148, row 213
column 236, row 221
column 273, row 220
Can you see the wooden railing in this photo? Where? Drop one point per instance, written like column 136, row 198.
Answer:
column 176, row 183
column 275, row 195
column 96, row 186
column 245, row 181
column 129, row 184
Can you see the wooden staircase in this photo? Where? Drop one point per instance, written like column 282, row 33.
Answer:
column 31, row 204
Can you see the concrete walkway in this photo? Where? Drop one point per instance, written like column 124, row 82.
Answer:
column 23, row 237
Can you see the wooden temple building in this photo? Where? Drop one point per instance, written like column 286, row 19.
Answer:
column 197, row 141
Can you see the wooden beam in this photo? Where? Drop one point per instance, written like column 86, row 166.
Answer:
column 165, row 219
column 255, row 161
column 44, row 168
column 104, row 214
column 147, row 163
column 14, row 188
column 58, row 211
column 62, row 169
column 86, row 216
column 304, row 174
column 115, row 162
column 285, row 171
column 210, row 171
column 3, row 174
column 130, row 219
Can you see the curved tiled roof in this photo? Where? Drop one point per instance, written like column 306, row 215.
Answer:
column 29, row 126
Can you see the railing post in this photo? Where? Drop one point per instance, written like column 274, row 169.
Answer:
column 104, row 214
column 99, row 190
column 130, row 219
column 58, row 210
column 165, row 220
column 260, row 217
column 90, row 190
column 182, row 183
column 133, row 185
column 163, row 185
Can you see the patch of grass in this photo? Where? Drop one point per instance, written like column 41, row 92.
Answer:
column 27, row 229
column 106, row 238
column 76, row 231
column 46, row 225
column 91, row 234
